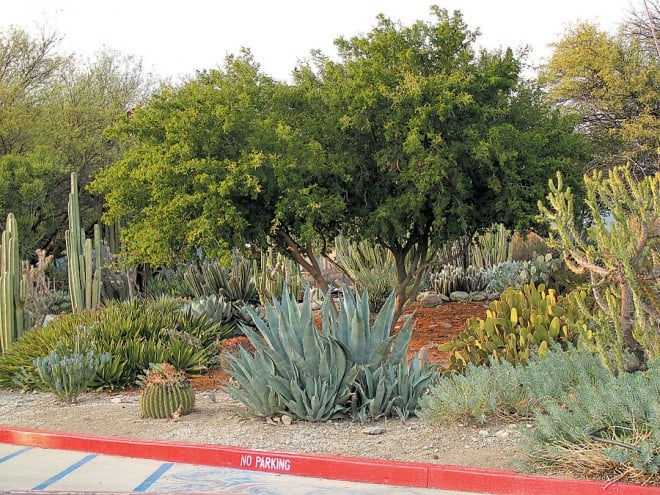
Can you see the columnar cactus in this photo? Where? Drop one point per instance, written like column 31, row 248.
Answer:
column 84, row 270
column 167, row 393
column 12, row 287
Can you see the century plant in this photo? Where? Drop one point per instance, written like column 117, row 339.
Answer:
column 295, row 369
column 12, row 287
column 83, row 257
column 352, row 366
column 619, row 251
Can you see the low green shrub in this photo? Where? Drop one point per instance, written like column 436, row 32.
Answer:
column 503, row 389
column 605, row 429
column 68, row 372
column 134, row 333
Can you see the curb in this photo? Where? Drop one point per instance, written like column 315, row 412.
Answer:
column 420, row 475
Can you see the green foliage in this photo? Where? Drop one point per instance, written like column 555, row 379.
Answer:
column 353, row 366
column 273, row 272
column 68, row 372
column 295, row 368
column 503, row 389
column 370, row 266
column 611, row 82
column 620, row 256
column 135, row 334
column 166, row 392
column 522, row 323
column 607, row 428
column 12, row 288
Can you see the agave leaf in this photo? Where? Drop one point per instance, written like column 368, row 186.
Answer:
column 402, row 341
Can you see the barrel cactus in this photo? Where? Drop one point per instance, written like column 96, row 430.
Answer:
column 166, row 393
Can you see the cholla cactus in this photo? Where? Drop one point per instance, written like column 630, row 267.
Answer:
column 166, row 393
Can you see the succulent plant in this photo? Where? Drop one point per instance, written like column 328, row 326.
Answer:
column 520, row 323
column 354, row 366
column 166, row 392
column 12, row 288
column 83, row 262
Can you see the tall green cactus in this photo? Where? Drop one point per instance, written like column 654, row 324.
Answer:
column 12, row 287
column 84, row 263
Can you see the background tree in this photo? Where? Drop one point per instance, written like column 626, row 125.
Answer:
column 643, row 24
column 613, row 83
column 409, row 140
column 28, row 66
column 53, row 112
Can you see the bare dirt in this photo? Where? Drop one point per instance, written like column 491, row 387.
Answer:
column 218, row 419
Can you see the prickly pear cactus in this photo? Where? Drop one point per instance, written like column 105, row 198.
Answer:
column 166, row 393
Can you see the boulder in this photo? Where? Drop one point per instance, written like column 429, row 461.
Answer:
column 430, row 300
column 459, row 296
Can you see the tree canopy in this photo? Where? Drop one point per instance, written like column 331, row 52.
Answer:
column 54, row 109
column 612, row 82
column 410, row 139
column 445, row 140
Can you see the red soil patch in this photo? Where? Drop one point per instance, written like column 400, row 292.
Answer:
column 433, row 326
column 439, row 325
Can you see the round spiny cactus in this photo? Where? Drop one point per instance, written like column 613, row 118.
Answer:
column 166, row 393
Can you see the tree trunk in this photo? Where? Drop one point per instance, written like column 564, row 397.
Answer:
column 306, row 259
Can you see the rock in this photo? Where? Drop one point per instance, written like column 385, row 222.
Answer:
column 446, row 325
column 502, row 433
column 116, row 400
column 373, row 430
column 286, row 419
column 459, row 296
column 430, row 300
column 479, row 296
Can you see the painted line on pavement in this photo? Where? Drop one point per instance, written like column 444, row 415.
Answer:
column 152, row 478
column 14, row 454
column 496, row 482
column 65, row 472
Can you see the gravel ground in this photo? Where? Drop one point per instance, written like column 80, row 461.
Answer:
column 217, row 419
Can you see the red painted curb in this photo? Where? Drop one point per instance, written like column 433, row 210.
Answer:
column 321, row 466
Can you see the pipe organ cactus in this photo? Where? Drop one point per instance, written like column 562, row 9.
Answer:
column 84, row 257
column 12, row 287
column 167, row 393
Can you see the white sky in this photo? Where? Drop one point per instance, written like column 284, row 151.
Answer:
column 176, row 38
